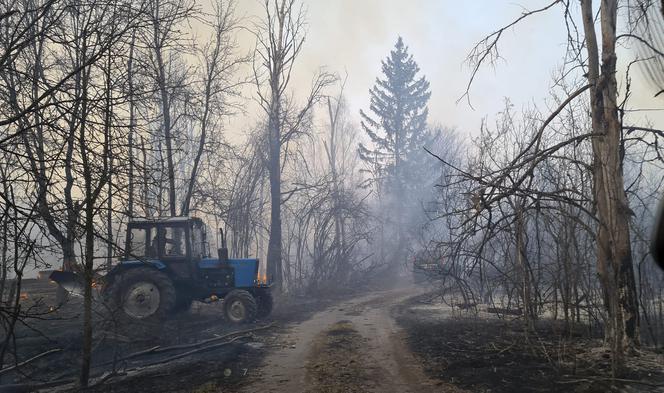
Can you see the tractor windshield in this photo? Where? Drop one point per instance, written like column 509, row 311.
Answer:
column 172, row 241
column 156, row 242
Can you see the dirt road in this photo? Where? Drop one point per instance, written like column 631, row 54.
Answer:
column 353, row 347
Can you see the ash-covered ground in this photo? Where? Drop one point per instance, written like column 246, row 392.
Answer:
column 403, row 339
column 481, row 352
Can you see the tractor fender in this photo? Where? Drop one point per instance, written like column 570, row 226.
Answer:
column 123, row 266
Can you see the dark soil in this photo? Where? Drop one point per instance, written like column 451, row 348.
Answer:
column 486, row 354
column 225, row 368
column 215, row 371
column 336, row 363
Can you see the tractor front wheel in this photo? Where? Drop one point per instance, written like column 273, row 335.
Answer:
column 239, row 306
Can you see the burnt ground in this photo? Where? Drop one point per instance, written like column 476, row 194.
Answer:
column 481, row 353
column 222, row 358
column 336, row 361
column 382, row 341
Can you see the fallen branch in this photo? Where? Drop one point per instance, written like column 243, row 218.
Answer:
column 158, row 349
column 132, row 372
column 193, row 351
column 139, row 353
column 592, row 379
column 137, row 370
column 501, row 351
column 34, row 387
column 41, row 355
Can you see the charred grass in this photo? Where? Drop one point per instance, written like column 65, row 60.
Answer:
column 224, row 369
column 486, row 354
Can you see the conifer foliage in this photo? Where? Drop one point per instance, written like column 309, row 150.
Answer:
column 397, row 124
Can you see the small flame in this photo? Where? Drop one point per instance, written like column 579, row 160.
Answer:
column 24, row 295
column 261, row 279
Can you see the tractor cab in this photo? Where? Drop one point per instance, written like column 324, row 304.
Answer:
column 176, row 243
column 174, row 237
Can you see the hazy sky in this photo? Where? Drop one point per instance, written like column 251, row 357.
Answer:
column 353, row 36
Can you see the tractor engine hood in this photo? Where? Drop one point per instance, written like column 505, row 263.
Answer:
column 245, row 269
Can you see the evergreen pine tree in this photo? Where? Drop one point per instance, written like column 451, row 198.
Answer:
column 398, row 123
column 397, row 127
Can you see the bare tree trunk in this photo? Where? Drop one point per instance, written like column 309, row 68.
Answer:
column 280, row 39
column 165, row 107
column 109, row 217
column 4, row 249
column 109, row 159
column 146, row 180
column 524, row 271
column 132, row 126
column 614, row 254
column 341, row 261
column 274, row 264
column 86, row 350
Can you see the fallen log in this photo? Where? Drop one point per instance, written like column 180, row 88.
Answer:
column 23, row 363
column 197, row 350
column 158, row 349
column 137, row 370
column 35, row 387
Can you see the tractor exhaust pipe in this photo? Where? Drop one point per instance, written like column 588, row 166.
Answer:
column 223, row 250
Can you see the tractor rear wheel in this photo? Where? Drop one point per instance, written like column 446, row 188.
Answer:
column 265, row 302
column 239, row 306
column 143, row 294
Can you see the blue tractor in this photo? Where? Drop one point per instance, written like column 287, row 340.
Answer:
column 167, row 265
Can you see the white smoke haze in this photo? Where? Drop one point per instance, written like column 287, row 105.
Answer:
column 352, row 37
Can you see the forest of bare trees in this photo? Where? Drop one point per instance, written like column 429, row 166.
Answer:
column 561, row 200
column 117, row 109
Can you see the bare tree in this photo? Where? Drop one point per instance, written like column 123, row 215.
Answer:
column 607, row 139
column 166, row 16
column 280, row 37
column 614, row 253
column 220, row 65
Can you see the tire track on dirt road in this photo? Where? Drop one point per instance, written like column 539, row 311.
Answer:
column 355, row 346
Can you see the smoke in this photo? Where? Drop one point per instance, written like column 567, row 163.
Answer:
column 642, row 58
column 352, row 37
